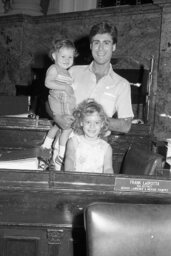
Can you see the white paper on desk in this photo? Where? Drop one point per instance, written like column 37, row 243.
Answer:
column 168, row 148
column 19, row 115
column 24, row 164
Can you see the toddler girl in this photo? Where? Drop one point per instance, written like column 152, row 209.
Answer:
column 61, row 95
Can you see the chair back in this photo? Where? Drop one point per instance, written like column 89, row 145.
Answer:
column 116, row 229
column 139, row 161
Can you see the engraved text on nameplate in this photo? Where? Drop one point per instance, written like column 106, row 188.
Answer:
column 142, row 185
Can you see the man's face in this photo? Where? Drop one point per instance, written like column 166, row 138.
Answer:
column 102, row 47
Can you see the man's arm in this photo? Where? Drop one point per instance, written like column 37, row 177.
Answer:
column 123, row 109
column 70, row 156
column 122, row 125
column 53, row 82
column 108, row 168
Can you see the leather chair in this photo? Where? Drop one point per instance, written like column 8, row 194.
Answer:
column 138, row 161
column 116, row 229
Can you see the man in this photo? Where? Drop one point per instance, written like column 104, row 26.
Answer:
column 100, row 82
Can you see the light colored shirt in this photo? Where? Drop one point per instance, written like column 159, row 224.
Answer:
column 89, row 155
column 111, row 91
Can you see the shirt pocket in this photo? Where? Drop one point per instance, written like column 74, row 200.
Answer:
column 108, row 101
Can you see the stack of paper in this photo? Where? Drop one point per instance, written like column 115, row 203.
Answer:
column 24, row 164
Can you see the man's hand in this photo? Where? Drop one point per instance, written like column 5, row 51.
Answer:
column 69, row 90
column 121, row 125
column 64, row 121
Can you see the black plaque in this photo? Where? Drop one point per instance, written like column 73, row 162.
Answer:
column 142, row 185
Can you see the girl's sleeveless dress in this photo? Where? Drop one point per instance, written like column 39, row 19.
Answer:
column 89, row 155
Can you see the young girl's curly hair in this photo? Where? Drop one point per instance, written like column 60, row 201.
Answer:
column 88, row 107
column 57, row 44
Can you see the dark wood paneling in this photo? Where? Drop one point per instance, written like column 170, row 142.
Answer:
column 22, row 132
column 48, row 220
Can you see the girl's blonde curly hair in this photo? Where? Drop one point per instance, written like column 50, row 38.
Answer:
column 88, row 107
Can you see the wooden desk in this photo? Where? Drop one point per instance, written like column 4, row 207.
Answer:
column 24, row 132
column 42, row 212
column 139, row 135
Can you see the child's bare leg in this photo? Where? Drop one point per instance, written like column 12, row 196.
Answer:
column 50, row 137
column 56, row 146
column 45, row 152
column 62, row 145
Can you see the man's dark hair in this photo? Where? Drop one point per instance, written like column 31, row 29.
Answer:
column 102, row 28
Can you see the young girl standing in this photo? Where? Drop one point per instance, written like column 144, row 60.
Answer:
column 86, row 151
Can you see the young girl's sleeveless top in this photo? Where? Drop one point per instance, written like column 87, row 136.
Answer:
column 89, row 155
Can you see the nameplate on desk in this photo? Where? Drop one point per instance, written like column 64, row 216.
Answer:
column 142, row 185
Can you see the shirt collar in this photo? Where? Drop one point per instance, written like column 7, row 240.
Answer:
column 91, row 67
column 110, row 72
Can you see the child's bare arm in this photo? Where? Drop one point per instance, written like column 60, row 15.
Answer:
column 52, row 82
column 70, row 156
column 108, row 165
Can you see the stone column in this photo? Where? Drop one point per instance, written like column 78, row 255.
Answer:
column 163, row 103
column 5, row 7
column 76, row 5
column 168, row 155
column 91, row 4
column 162, row 2
column 2, row 10
column 83, row 5
column 53, row 7
column 66, row 6
column 30, row 7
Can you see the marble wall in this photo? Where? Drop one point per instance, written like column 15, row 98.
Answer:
column 162, row 122
column 25, row 42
